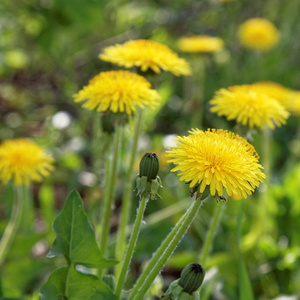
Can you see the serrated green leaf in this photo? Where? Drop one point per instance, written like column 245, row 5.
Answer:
column 88, row 287
column 75, row 236
column 54, row 288
column 67, row 283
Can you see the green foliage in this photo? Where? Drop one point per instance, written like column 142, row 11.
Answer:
column 75, row 240
column 75, row 237
column 245, row 287
column 49, row 50
column 67, row 283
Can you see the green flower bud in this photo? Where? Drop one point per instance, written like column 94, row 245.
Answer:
column 191, row 277
column 185, row 288
column 149, row 166
column 147, row 181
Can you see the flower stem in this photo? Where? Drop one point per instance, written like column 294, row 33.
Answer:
column 109, row 192
column 266, row 160
column 164, row 252
column 260, row 226
column 131, row 245
column 198, row 82
column 96, row 149
column 12, row 226
column 211, row 233
column 126, row 201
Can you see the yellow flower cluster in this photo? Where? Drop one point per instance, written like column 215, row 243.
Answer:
column 117, row 91
column 249, row 106
column 258, row 34
column 218, row 159
column 23, row 161
column 200, row 43
column 146, row 54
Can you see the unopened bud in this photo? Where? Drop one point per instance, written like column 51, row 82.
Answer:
column 147, row 181
column 185, row 288
column 149, row 166
column 191, row 277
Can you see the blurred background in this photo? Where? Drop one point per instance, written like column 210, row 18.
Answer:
column 49, row 50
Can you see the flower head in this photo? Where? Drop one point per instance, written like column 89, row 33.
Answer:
column 249, row 107
column 258, row 34
column 117, row 91
column 201, row 43
column 294, row 104
column 146, row 54
column 275, row 91
column 217, row 159
column 23, row 161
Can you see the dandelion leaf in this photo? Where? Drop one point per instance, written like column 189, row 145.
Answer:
column 54, row 288
column 75, row 238
column 67, row 283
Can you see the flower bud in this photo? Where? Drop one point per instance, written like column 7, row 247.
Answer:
column 149, row 166
column 185, row 288
column 191, row 277
column 147, row 181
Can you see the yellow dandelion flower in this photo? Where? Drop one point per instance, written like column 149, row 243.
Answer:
column 258, row 34
column 200, row 43
column 294, row 103
column 117, row 91
column 249, row 107
column 146, row 54
column 23, row 161
column 218, row 159
column 275, row 91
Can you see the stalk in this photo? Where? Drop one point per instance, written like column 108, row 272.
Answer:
column 261, row 227
column 12, row 226
column 109, row 193
column 126, row 201
column 164, row 252
column 131, row 245
column 211, row 233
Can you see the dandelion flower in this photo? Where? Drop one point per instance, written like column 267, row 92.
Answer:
column 117, row 91
column 294, row 104
column 258, row 34
column 249, row 107
column 23, row 161
column 275, row 91
column 201, row 43
column 146, row 54
column 218, row 159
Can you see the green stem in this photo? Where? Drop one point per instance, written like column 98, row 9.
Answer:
column 244, row 283
column 12, row 226
column 131, row 246
column 96, row 145
column 211, row 233
column 164, row 252
column 109, row 193
column 239, row 225
column 262, row 213
column 199, row 66
column 161, row 249
column 126, row 201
